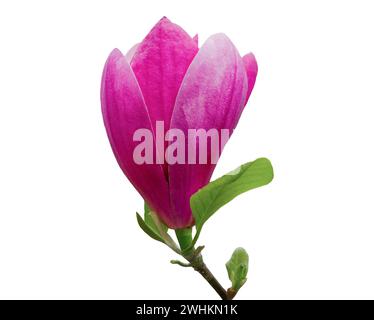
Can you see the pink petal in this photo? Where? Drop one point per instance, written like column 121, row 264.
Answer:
column 251, row 68
column 160, row 63
column 129, row 55
column 124, row 112
column 212, row 95
column 196, row 39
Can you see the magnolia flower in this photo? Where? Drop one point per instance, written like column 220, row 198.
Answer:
column 168, row 78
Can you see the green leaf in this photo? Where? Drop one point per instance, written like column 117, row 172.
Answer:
column 150, row 221
column 206, row 201
column 237, row 268
column 147, row 229
column 155, row 228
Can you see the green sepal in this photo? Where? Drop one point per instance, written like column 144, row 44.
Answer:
column 147, row 229
column 155, row 228
column 184, row 237
column 237, row 268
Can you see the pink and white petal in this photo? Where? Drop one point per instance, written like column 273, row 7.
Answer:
column 160, row 63
column 124, row 112
column 131, row 52
column 251, row 68
column 212, row 95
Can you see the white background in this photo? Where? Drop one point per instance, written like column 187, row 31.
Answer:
column 67, row 213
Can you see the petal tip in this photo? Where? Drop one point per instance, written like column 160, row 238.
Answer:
column 196, row 39
column 251, row 62
column 164, row 21
column 222, row 39
column 115, row 53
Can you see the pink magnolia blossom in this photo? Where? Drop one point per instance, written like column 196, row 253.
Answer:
column 168, row 78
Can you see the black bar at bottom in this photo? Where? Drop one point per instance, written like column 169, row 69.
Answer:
column 189, row 309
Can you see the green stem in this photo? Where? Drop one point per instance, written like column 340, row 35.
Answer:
column 194, row 257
